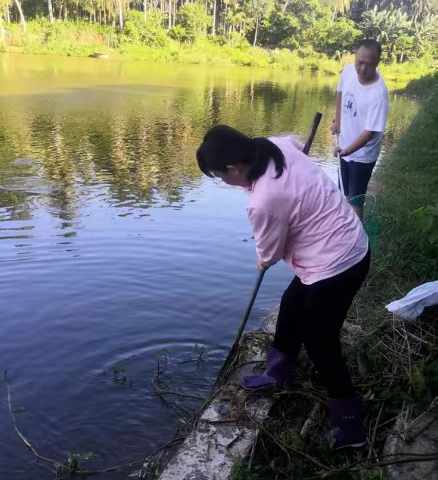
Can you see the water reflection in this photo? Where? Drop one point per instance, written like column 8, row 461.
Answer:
column 142, row 147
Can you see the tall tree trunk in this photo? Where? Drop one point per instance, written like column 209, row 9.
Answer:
column 333, row 17
column 256, row 32
column 120, row 14
column 2, row 30
column 170, row 14
column 284, row 8
column 20, row 11
column 213, row 29
column 174, row 12
column 225, row 16
column 8, row 14
column 49, row 6
column 145, row 9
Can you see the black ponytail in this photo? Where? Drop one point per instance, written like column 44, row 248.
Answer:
column 223, row 146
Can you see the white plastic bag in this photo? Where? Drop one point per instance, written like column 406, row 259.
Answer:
column 411, row 306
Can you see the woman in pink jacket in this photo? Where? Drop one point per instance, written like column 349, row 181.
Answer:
column 299, row 216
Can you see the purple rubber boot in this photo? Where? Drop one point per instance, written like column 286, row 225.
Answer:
column 279, row 372
column 348, row 429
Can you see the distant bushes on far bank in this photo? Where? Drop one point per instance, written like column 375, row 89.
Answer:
column 188, row 41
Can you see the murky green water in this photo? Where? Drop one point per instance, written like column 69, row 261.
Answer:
column 114, row 251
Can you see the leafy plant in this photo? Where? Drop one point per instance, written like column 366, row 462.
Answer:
column 194, row 20
column 148, row 32
column 241, row 471
column 179, row 33
column 337, row 38
column 399, row 35
column 427, row 223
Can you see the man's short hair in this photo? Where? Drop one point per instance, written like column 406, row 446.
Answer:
column 370, row 43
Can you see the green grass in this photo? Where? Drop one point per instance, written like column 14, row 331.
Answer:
column 422, row 87
column 408, row 180
column 398, row 76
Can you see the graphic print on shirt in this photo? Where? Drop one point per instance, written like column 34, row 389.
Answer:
column 349, row 104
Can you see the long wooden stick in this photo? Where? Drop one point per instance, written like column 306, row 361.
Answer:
column 316, row 120
column 235, row 345
column 233, row 350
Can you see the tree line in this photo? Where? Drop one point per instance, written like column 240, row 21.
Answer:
column 407, row 29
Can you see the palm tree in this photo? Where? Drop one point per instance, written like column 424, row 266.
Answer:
column 119, row 3
column 49, row 6
column 213, row 28
column 340, row 6
column 6, row 4
column 2, row 30
column 416, row 8
column 20, row 11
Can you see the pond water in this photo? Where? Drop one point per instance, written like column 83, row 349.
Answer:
column 115, row 253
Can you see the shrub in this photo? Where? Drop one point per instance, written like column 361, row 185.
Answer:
column 194, row 20
column 337, row 39
column 179, row 33
column 234, row 39
column 148, row 32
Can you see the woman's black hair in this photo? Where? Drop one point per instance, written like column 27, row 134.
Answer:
column 223, row 146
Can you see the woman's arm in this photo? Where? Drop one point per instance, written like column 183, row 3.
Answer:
column 270, row 235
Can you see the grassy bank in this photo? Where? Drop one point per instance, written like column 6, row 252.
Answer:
column 423, row 87
column 394, row 364
column 83, row 39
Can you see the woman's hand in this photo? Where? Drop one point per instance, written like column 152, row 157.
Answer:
column 261, row 266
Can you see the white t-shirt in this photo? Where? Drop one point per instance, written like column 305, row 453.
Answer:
column 364, row 107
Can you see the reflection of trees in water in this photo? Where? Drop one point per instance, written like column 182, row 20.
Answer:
column 14, row 205
column 138, row 153
column 142, row 148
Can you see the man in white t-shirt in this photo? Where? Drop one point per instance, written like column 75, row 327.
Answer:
column 361, row 114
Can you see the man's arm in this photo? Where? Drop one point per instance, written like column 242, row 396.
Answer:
column 375, row 123
column 364, row 137
column 336, row 126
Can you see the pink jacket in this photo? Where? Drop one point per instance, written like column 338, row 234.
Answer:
column 303, row 218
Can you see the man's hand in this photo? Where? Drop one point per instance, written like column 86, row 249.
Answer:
column 364, row 137
column 339, row 150
column 336, row 127
column 261, row 266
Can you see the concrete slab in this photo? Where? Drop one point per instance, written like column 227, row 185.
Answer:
column 420, row 437
column 224, row 432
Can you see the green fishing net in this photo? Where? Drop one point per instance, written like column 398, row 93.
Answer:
column 369, row 219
